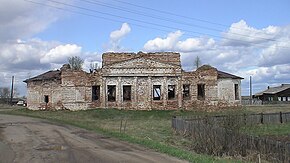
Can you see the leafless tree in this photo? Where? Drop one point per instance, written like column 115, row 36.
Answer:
column 197, row 62
column 94, row 66
column 4, row 92
column 76, row 62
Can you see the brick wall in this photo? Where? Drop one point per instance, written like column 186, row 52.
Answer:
column 166, row 57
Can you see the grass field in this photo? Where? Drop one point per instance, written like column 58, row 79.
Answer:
column 274, row 131
column 151, row 129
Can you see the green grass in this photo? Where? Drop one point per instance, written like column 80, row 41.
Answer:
column 151, row 129
column 275, row 130
column 267, row 108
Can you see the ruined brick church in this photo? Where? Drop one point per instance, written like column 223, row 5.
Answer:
column 141, row 81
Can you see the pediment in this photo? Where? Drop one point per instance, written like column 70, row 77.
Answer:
column 141, row 63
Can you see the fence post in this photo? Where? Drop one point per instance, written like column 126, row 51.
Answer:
column 281, row 118
column 173, row 123
column 262, row 118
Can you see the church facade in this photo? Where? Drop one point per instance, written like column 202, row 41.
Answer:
column 141, row 81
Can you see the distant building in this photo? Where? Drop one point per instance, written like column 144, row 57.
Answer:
column 142, row 81
column 272, row 94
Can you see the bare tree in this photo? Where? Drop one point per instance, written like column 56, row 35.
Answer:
column 15, row 92
column 197, row 62
column 94, row 66
column 4, row 95
column 4, row 92
column 76, row 62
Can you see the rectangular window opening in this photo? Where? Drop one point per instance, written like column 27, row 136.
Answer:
column 200, row 91
column 156, row 92
column 127, row 93
column 111, row 93
column 270, row 98
column 186, row 88
column 46, row 99
column 171, row 92
column 237, row 94
column 95, row 93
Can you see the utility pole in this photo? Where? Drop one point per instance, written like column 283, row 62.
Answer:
column 251, row 90
column 11, row 97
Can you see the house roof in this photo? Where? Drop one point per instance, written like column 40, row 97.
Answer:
column 222, row 74
column 53, row 74
column 274, row 90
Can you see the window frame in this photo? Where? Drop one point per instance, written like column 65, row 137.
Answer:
column 237, row 94
column 129, row 89
column 111, row 89
column 96, row 93
column 155, row 88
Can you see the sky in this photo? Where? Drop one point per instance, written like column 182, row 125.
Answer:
column 245, row 37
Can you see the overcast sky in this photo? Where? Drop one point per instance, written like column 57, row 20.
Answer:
column 246, row 37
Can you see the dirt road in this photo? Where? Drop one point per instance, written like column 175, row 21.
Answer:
column 24, row 139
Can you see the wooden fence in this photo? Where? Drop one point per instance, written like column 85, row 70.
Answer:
column 252, row 102
column 260, row 102
column 217, row 136
column 243, row 119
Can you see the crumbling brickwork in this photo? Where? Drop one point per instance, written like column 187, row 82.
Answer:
column 142, row 81
column 38, row 90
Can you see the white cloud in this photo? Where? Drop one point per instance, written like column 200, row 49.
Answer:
column 245, row 51
column 241, row 34
column 22, row 55
column 193, row 44
column 25, row 59
column 116, row 37
column 93, row 62
column 159, row 44
column 276, row 53
column 119, row 34
column 172, row 42
column 22, row 19
column 60, row 53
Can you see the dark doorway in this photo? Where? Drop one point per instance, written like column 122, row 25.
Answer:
column 46, row 98
column 200, row 91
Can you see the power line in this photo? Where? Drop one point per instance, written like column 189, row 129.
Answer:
column 167, row 19
column 177, row 15
column 99, row 17
column 132, row 19
column 144, row 14
column 195, row 19
column 140, row 21
column 170, row 13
